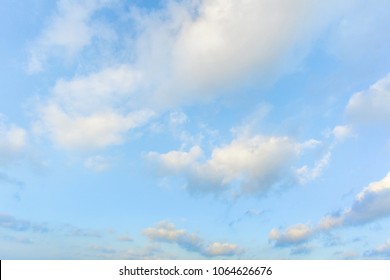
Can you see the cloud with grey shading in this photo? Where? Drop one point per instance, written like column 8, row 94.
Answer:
column 371, row 204
column 382, row 251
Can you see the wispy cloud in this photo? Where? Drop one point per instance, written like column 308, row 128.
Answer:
column 167, row 232
column 67, row 32
column 12, row 223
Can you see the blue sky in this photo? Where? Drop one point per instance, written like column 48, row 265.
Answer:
column 197, row 129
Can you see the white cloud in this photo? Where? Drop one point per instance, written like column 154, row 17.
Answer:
column 97, row 163
column 67, row 33
column 371, row 105
column 93, row 111
column 381, row 251
column 207, row 53
column 306, row 174
column 256, row 164
column 177, row 118
column 167, row 232
column 371, row 204
column 94, row 131
column 222, row 249
column 112, row 86
column 293, row 235
column 342, row 132
column 176, row 161
column 13, row 141
column 192, row 49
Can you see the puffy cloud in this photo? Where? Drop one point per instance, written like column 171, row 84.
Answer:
column 94, row 131
column 371, row 204
column 13, row 141
column 189, row 50
column 167, row 232
column 93, row 111
column 67, row 33
column 372, row 104
column 255, row 164
column 293, row 235
column 176, row 161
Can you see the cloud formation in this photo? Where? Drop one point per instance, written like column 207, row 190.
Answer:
column 381, row 251
column 293, row 235
column 167, row 232
column 371, row 105
column 68, row 31
column 13, row 141
column 254, row 164
column 12, row 223
column 371, row 204
column 186, row 52
column 198, row 40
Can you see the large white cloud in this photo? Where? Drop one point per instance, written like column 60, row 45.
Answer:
column 196, row 49
column 187, row 51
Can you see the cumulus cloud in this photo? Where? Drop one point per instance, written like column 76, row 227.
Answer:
column 371, row 204
column 167, row 232
column 68, row 31
column 371, row 105
column 187, row 51
column 255, row 164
